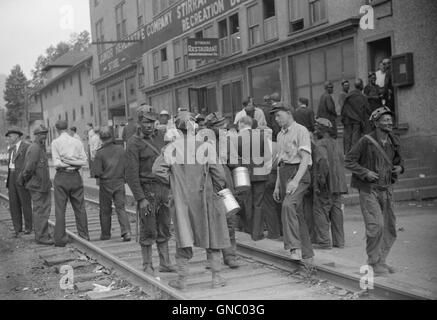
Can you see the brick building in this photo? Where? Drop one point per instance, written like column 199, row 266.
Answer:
column 287, row 46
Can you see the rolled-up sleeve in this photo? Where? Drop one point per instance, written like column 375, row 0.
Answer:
column 304, row 140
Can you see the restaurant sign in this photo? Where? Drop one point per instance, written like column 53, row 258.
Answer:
column 203, row 48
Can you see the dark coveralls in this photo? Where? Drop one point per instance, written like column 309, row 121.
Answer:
column 252, row 215
column 109, row 168
column 20, row 202
column 36, row 178
column 355, row 115
column 329, row 182
column 376, row 198
column 327, row 110
column 155, row 226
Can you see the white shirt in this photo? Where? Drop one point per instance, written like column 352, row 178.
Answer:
column 380, row 78
column 95, row 144
column 291, row 141
column 65, row 146
column 11, row 162
column 259, row 117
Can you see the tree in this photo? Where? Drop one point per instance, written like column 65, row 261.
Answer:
column 78, row 42
column 81, row 41
column 14, row 94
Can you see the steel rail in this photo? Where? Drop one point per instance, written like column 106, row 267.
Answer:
column 347, row 281
column 111, row 262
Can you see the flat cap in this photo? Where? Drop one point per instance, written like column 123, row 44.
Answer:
column 164, row 113
column 280, row 106
column 40, row 130
column 61, row 125
column 145, row 112
column 14, row 130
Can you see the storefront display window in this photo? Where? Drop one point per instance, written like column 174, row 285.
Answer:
column 265, row 80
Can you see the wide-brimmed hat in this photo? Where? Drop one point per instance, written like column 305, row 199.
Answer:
column 14, row 130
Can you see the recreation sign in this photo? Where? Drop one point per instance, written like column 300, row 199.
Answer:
column 185, row 17
column 170, row 24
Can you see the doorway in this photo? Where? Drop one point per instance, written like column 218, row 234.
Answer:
column 203, row 100
column 378, row 50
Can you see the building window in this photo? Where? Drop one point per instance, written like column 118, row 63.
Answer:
column 164, row 62
column 91, row 110
column 63, row 84
column 82, row 112
column 59, row 117
column 66, row 116
column 80, row 84
column 140, row 11
column 160, row 64
column 71, row 80
column 178, row 56
column 318, row 11
column 141, row 73
column 229, row 44
column 297, row 14
column 74, row 114
column 312, row 69
column 254, row 25
column 270, row 21
column 100, row 36
column 265, row 80
column 57, row 88
column 120, row 21
column 234, row 28
column 160, row 5
column 232, row 98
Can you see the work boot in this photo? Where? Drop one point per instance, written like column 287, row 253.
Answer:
column 215, row 263
column 182, row 268
column 296, row 254
column 232, row 263
column 379, row 270
column 165, row 265
column 126, row 237
column 146, row 253
column 390, row 269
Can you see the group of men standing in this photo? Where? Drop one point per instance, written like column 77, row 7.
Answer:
column 300, row 200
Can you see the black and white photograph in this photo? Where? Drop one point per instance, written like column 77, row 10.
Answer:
column 233, row 153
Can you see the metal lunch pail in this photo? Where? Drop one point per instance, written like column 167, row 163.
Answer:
column 229, row 201
column 241, row 179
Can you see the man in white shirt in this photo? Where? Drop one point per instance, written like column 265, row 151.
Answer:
column 255, row 113
column 380, row 75
column 73, row 133
column 68, row 157
column 95, row 144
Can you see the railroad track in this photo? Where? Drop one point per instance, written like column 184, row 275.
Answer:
column 263, row 274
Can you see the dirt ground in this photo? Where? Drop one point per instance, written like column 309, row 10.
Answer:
column 25, row 276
